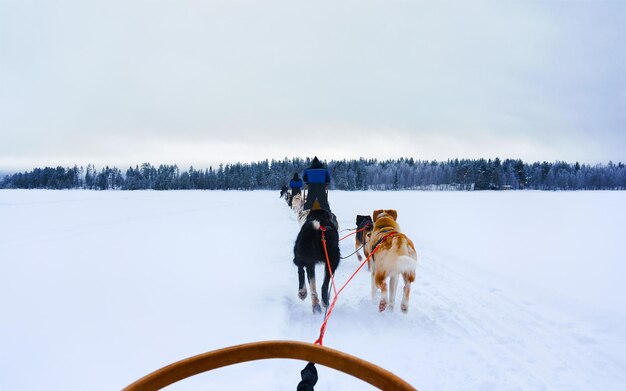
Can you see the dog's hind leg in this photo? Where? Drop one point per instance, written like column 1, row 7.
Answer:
column 301, row 285
column 315, row 301
column 381, row 282
column 393, row 287
column 408, row 279
column 358, row 254
column 373, row 277
column 326, row 288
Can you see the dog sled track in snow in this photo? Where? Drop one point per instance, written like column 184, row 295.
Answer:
column 496, row 328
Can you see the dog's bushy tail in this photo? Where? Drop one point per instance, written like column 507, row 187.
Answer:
column 406, row 264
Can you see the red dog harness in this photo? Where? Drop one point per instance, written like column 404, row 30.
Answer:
column 391, row 233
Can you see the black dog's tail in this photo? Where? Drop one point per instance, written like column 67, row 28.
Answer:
column 316, row 224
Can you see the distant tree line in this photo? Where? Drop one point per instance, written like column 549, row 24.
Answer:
column 361, row 174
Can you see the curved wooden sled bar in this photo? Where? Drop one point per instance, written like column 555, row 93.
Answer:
column 331, row 358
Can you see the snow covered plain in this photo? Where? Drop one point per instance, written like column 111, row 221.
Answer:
column 514, row 290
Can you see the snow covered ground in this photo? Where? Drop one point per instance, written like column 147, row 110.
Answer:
column 514, row 290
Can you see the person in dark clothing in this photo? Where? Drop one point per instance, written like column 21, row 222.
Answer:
column 309, row 378
column 296, row 187
column 296, row 184
column 317, row 179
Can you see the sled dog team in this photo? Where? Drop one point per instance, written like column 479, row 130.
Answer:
column 391, row 254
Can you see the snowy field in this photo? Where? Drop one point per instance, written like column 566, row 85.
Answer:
column 514, row 290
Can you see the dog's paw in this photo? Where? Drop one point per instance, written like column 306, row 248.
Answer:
column 302, row 294
column 317, row 309
column 382, row 305
column 404, row 308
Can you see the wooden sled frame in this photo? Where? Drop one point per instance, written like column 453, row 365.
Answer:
column 331, row 358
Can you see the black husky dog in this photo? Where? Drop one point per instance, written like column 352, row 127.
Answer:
column 364, row 225
column 309, row 250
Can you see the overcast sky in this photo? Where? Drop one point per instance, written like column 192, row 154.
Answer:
column 200, row 82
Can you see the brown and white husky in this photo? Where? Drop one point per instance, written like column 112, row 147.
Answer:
column 394, row 256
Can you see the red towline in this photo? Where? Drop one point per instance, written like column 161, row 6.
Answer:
column 332, row 277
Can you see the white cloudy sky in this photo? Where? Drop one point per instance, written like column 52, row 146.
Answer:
column 199, row 82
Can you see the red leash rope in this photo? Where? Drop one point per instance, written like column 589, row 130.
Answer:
column 332, row 277
column 356, row 232
column 319, row 340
